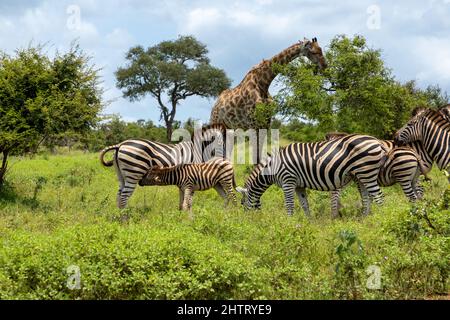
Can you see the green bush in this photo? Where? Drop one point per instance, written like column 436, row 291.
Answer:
column 137, row 262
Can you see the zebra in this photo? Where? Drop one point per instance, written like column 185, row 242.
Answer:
column 445, row 111
column 217, row 173
column 433, row 130
column 323, row 166
column 403, row 166
column 134, row 158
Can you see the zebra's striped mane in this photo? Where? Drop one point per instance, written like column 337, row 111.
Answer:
column 215, row 126
column 418, row 110
column 445, row 111
column 334, row 135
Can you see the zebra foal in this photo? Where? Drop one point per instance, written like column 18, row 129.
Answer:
column 216, row 173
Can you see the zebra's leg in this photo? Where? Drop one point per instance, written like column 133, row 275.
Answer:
column 371, row 186
column 127, row 185
column 221, row 191
column 365, row 199
column 335, row 203
column 230, row 195
column 408, row 190
column 125, row 193
column 187, row 202
column 289, row 192
column 302, row 196
column 418, row 188
column 181, row 194
column 121, row 186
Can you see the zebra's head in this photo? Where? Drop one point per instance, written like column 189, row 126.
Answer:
column 155, row 177
column 411, row 131
column 257, row 183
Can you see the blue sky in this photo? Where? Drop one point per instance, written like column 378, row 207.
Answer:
column 414, row 35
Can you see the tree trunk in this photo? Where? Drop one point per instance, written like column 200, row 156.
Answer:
column 4, row 167
column 169, row 130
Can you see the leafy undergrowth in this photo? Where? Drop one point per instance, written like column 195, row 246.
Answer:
column 63, row 238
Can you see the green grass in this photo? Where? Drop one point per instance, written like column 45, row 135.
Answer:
column 59, row 211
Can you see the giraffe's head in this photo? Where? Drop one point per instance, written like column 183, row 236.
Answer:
column 313, row 52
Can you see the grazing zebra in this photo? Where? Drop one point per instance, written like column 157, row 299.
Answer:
column 217, row 173
column 134, row 158
column 403, row 166
column 433, row 130
column 324, row 166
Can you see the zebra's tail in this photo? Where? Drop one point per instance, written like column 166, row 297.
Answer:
column 102, row 155
column 234, row 182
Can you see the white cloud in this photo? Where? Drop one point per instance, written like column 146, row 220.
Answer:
column 433, row 57
column 414, row 35
column 119, row 38
column 202, row 17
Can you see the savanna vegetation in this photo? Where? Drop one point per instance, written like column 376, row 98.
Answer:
column 59, row 211
column 62, row 236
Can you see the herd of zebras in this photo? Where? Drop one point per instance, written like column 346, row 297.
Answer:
column 327, row 165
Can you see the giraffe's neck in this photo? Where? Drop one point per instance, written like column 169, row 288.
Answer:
column 264, row 74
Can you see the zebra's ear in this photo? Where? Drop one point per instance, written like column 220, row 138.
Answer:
column 241, row 190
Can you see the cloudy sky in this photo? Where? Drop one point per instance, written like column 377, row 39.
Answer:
column 414, row 35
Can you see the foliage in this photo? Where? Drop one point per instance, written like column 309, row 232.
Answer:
column 116, row 130
column 350, row 261
column 170, row 72
column 356, row 93
column 264, row 112
column 296, row 130
column 42, row 97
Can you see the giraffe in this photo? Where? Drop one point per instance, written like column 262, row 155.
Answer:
column 235, row 108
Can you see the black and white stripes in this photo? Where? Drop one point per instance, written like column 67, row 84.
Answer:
column 324, row 166
column 217, row 173
column 432, row 129
column 134, row 158
column 403, row 166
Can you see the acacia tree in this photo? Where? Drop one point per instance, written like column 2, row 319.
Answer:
column 42, row 97
column 170, row 72
column 356, row 93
